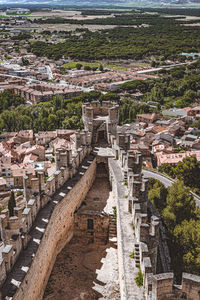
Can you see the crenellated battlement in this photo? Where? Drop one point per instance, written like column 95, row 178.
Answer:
column 65, row 190
column 161, row 287
column 147, row 232
column 82, row 138
column 95, row 108
column 100, row 120
column 37, row 193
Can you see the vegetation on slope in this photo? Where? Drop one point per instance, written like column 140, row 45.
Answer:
column 187, row 170
column 177, row 87
column 163, row 37
column 63, row 113
column 177, row 208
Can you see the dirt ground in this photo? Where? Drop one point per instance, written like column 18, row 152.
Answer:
column 54, row 13
column 74, row 272
column 97, row 196
column 78, row 265
column 71, row 27
column 68, row 14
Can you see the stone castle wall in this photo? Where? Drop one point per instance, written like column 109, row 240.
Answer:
column 156, row 286
column 121, row 266
column 60, row 228
column 102, row 118
column 58, row 232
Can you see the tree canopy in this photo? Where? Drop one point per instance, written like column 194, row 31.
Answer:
column 180, row 205
column 187, row 236
column 187, row 170
column 158, row 194
column 178, row 212
column 8, row 99
column 11, row 204
column 160, row 37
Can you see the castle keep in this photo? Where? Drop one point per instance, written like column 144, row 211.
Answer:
column 55, row 212
column 100, row 120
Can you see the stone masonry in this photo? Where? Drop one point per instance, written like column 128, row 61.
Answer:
column 34, row 236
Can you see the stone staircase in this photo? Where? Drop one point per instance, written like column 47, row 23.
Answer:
column 137, row 255
column 94, row 136
column 113, row 229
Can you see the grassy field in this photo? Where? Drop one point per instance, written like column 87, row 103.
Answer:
column 113, row 67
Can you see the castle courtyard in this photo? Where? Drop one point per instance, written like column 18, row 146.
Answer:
column 86, row 267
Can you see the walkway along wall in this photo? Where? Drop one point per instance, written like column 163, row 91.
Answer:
column 125, row 169
column 117, row 195
column 59, row 231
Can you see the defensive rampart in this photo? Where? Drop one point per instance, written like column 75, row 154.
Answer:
column 33, row 237
column 57, row 233
column 121, row 263
column 125, row 170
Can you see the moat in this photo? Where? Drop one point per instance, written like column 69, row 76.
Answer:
column 87, row 267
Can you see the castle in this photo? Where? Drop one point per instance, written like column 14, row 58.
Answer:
column 35, row 235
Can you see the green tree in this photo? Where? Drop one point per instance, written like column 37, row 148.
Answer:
column 8, row 100
column 190, row 96
column 79, row 66
column 110, row 97
column 11, row 204
column 101, row 68
column 180, row 205
column 25, row 61
column 132, row 114
column 87, row 68
column 157, row 195
column 188, row 170
column 168, row 169
column 52, row 121
column 58, row 102
column 177, row 73
column 8, row 120
column 136, row 85
column 187, row 236
column 196, row 124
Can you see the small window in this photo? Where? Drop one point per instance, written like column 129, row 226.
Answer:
column 90, row 224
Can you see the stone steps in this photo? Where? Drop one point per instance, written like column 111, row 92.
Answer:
column 112, row 227
column 112, row 231
column 137, row 255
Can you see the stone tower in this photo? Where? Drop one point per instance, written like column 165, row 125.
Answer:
column 100, row 120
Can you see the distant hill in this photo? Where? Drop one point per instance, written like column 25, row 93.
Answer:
column 102, row 3
column 173, row 1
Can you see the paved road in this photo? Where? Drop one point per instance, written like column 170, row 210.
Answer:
column 49, row 72
column 161, row 68
column 167, row 182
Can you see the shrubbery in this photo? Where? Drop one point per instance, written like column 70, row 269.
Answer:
column 181, row 217
column 139, row 278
